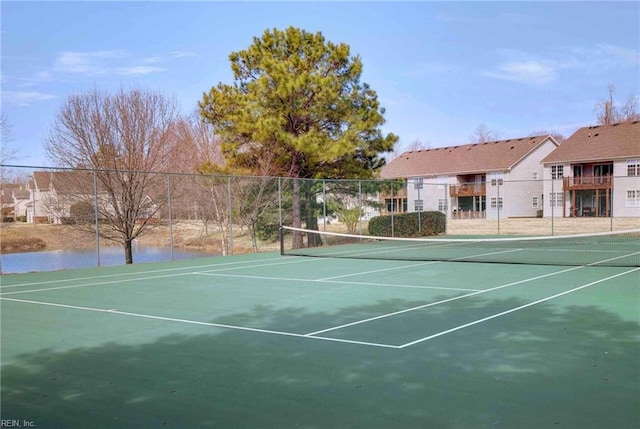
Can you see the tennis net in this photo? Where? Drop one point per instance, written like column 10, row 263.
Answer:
column 617, row 249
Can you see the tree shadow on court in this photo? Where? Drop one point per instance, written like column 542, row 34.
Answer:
column 572, row 367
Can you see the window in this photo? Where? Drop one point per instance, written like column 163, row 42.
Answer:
column 535, row 202
column 497, row 179
column 418, row 205
column 633, row 198
column 390, row 204
column 535, row 175
column 556, row 199
column 633, row 167
column 418, row 183
column 396, row 205
column 442, row 205
column 557, row 171
column 496, row 203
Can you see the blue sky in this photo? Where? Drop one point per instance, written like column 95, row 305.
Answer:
column 439, row 68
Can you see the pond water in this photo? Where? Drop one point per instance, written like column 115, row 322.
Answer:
column 62, row 260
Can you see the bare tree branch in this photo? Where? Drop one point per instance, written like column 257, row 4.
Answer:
column 126, row 139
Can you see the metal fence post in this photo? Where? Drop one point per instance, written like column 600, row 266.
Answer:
column 230, row 215
column 95, row 215
column 553, row 202
column 498, row 205
column 360, row 206
column 324, row 206
column 170, row 215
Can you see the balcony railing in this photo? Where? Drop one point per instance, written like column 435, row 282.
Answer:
column 587, row 182
column 468, row 190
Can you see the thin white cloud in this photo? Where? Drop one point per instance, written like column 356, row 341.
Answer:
column 529, row 72
column 525, row 68
column 138, row 70
column 68, row 66
column 183, row 54
column 88, row 63
column 25, row 98
column 110, row 62
column 618, row 53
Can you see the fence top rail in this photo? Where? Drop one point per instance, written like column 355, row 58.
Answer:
column 399, row 181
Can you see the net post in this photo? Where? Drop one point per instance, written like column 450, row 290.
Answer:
column 229, row 216
column 281, row 234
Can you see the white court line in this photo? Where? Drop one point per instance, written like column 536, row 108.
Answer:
column 382, row 316
column 466, row 325
column 289, row 279
column 153, row 277
column 419, row 264
column 595, row 264
column 195, row 322
column 140, row 272
column 378, row 271
column 163, row 276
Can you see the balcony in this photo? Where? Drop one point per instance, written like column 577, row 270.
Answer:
column 468, row 190
column 586, row 183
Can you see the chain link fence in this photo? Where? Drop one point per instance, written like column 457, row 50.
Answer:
column 225, row 215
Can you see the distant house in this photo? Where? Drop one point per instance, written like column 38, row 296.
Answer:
column 68, row 196
column 595, row 172
column 480, row 180
column 52, row 193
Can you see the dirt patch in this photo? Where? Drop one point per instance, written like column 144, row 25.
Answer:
column 21, row 237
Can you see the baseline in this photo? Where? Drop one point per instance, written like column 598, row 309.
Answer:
column 196, row 322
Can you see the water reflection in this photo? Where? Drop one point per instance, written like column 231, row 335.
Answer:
column 64, row 259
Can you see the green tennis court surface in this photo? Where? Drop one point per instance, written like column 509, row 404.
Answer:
column 266, row 341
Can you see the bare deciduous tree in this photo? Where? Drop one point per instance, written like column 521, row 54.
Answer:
column 6, row 152
column 608, row 112
column 483, row 134
column 126, row 139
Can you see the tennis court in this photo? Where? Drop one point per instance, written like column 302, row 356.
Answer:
column 271, row 341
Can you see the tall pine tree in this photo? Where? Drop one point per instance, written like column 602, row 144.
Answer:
column 298, row 98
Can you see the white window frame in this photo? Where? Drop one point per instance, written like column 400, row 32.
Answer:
column 556, row 199
column 443, row 205
column 536, row 176
column 418, row 182
column 535, row 202
column 557, row 171
column 497, row 203
column 418, row 205
column 633, row 198
column 497, row 179
column 633, row 167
